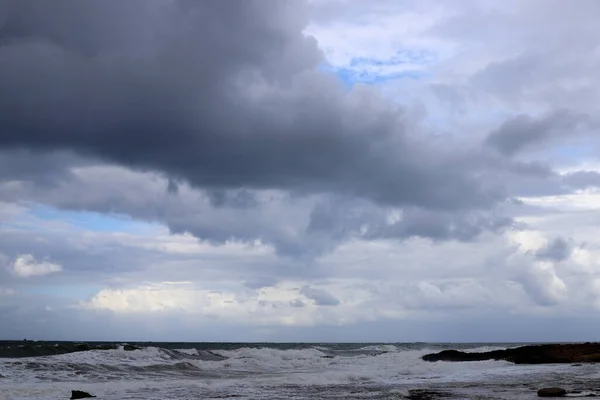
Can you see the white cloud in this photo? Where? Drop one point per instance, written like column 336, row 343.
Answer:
column 289, row 303
column 26, row 266
column 266, row 305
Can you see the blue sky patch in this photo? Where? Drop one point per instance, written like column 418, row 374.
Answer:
column 405, row 64
column 70, row 292
column 85, row 220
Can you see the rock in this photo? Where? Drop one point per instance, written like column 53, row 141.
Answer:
column 83, row 347
column 130, row 347
column 11, row 349
column 424, row 394
column 533, row 354
column 78, row 394
column 551, row 392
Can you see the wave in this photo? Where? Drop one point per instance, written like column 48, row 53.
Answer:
column 15, row 349
column 35, row 349
column 299, row 366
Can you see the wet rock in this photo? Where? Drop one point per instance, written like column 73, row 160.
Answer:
column 551, row 392
column 11, row 349
column 78, row 394
column 82, row 347
column 533, row 354
column 424, row 394
column 130, row 347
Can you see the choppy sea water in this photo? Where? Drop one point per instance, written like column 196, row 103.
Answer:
column 279, row 371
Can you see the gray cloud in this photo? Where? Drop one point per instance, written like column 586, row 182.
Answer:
column 231, row 198
column 524, row 131
column 103, row 260
column 582, row 179
column 344, row 218
column 301, row 227
column 321, row 297
column 558, row 250
column 298, row 303
column 42, row 169
column 534, row 56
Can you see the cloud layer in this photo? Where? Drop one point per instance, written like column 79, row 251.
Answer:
column 316, row 165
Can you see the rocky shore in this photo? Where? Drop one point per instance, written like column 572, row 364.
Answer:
column 533, row 354
column 22, row 349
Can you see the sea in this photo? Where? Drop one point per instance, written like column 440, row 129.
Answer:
column 118, row 371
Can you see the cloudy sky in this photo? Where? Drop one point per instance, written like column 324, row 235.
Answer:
column 271, row 170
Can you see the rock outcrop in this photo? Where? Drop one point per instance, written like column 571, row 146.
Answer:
column 78, row 394
column 551, row 392
column 425, row 394
column 21, row 349
column 533, row 354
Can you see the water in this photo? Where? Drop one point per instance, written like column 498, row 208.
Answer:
column 275, row 371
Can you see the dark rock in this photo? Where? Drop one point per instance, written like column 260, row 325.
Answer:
column 534, row 354
column 551, row 392
column 424, row 394
column 78, row 394
column 12, row 349
column 130, row 347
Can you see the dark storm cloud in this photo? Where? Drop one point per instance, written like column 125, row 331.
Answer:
column 42, row 169
column 224, row 95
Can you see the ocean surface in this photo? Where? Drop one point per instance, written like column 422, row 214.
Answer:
column 271, row 371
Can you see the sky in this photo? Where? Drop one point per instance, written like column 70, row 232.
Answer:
column 319, row 170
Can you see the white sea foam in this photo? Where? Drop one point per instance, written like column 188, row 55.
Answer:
column 189, row 352
column 381, row 348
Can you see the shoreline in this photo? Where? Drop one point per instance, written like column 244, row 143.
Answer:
column 530, row 354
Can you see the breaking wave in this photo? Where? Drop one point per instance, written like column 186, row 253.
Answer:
column 332, row 363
